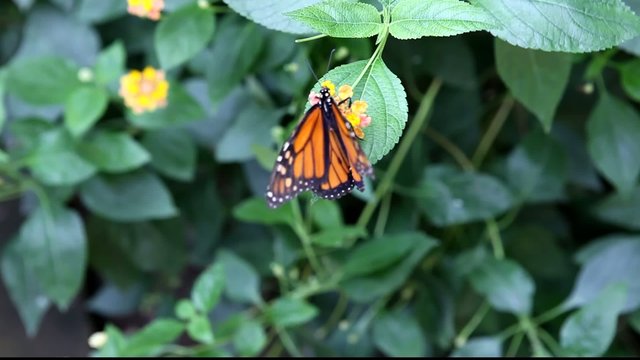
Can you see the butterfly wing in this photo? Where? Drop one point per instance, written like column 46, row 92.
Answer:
column 303, row 161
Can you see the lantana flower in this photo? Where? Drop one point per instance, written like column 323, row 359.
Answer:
column 145, row 90
column 150, row 9
column 355, row 112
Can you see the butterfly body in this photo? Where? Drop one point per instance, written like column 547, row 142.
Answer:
column 322, row 155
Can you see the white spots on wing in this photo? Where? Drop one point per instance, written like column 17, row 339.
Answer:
column 285, row 146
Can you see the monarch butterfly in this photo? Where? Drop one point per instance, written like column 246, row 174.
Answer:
column 322, row 155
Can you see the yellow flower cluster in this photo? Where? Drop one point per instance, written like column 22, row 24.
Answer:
column 150, row 9
column 356, row 113
column 145, row 90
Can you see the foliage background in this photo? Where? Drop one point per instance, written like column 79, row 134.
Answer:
column 507, row 223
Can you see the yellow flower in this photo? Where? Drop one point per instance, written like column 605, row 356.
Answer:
column 329, row 85
column 345, row 92
column 359, row 107
column 146, row 8
column 144, row 91
column 354, row 119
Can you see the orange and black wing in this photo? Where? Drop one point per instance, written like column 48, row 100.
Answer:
column 302, row 163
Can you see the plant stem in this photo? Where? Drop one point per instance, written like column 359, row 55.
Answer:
column 336, row 315
column 456, row 153
column 472, row 325
column 532, row 334
column 550, row 314
column 299, row 229
column 515, row 345
column 492, row 132
column 383, row 216
column 288, row 343
column 551, row 343
column 419, row 120
column 493, row 231
column 311, row 38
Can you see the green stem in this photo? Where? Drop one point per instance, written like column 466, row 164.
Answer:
column 532, row 334
column 493, row 231
column 515, row 345
column 550, row 314
column 311, row 38
column 373, row 58
column 383, row 216
column 334, row 318
column 299, row 229
column 288, row 343
column 472, row 325
column 550, row 342
column 456, row 153
column 492, row 132
column 419, row 120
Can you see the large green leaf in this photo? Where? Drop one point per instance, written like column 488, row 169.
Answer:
column 136, row 196
column 152, row 338
column 241, row 279
column 83, row 108
column 341, row 18
column 53, row 239
column 43, row 80
column 173, row 153
column 287, row 311
column 113, row 152
column 590, row 331
column 250, row 338
column 506, row 285
column 621, row 210
column 387, row 100
column 182, row 34
column 270, row 13
column 613, row 130
column 208, row 287
column 562, row 25
column 480, row 347
column 256, row 210
column 100, row 11
column 630, row 73
column 412, row 19
column 398, row 334
column 536, row 78
column 111, row 63
column 23, row 286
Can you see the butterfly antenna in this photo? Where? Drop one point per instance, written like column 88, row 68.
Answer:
column 312, row 72
column 330, row 58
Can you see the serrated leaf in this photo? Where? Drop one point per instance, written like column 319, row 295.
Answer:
column 536, row 78
column 287, row 312
column 506, row 285
column 615, row 261
column 182, row 34
column 590, row 331
column 53, row 239
column 241, row 279
column 412, row 19
column 43, row 80
column 23, row 286
column 208, row 287
column 250, row 338
column 83, row 108
column 113, row 152
column 387, row 100
column 560, row 25
column 270, row 13
column 136, row 196
column 398, row 334
column 173, row 153
column 613, row 130
column 341, row 18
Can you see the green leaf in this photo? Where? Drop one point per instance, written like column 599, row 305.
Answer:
column 208, row 287
column 341, row 18
column 185, row 310
column 152, row 338
column 326, row 214
column 506, row 285
column 53, row 239
column 182, row 34
column 337, row 236
column 613, row 130
column 398, row 334
column 630, row 73
column 230, row 62
column 480, row 347
column 256, row 211
column 634, row 321
column 242, row 283
column 23, row 287
column 369, row 287
column 387, row 100
column 616, row 261
column 173, row 153
column 451, row 197
column 136, row 196
column 83, row 108
column 537, row 169
column 270, row 13
column 42, row 80
column 100, row 11
column 535, row 78
column 55, row 161
column 621, row 210
column 3, row 89
column 560, row 25
column 199, row 329
column 250, row 338
column 381, row 253
column 181, row 109
column 590, row 331
column 110, row 64
column 412, row 19
column 235, row 145
column 113, row 152
column 288, row 312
